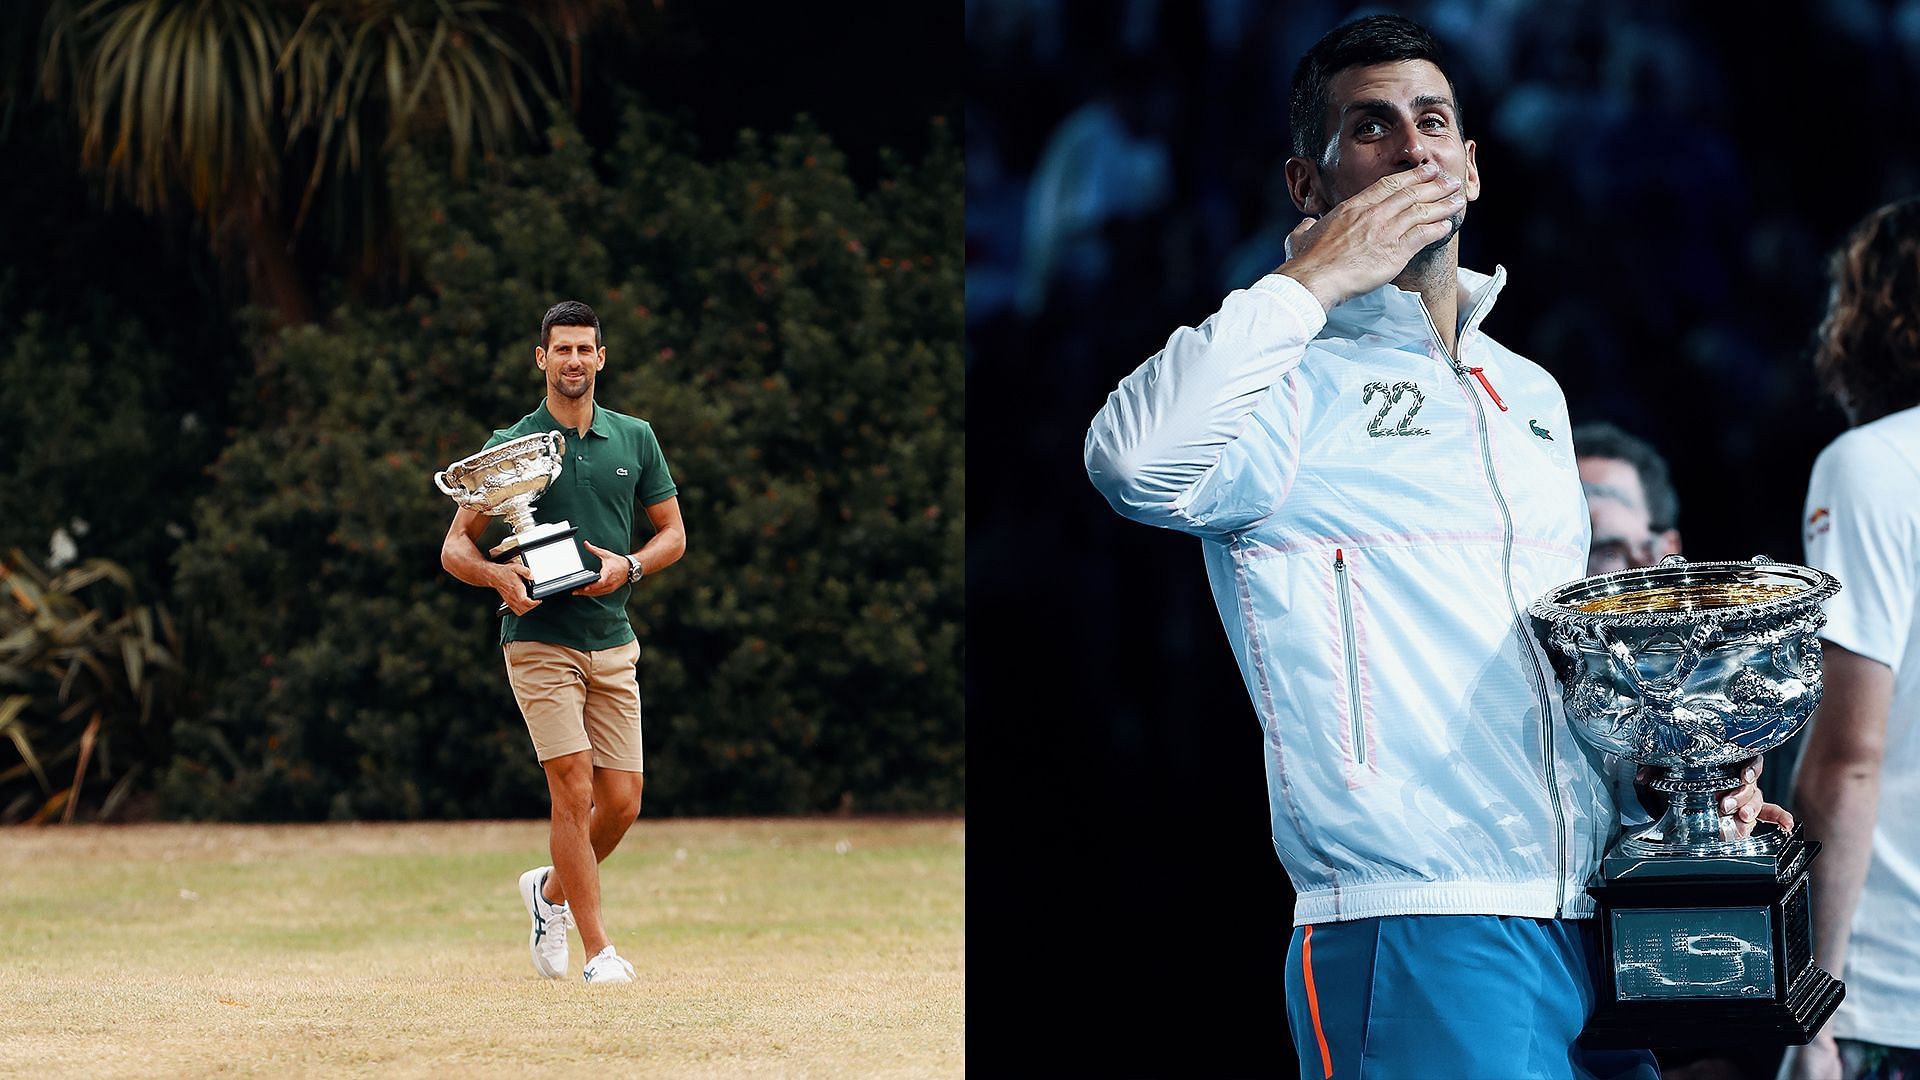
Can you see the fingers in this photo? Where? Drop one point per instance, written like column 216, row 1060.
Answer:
column 1423, row 184
column 1746, row 808
column 595, row 548
column 1778, row 815
column 1297, row 239
column 1745, row 802
column 1746, row 805
column 1368, row 238
column 1393, row 184
column 512, row 593
column 1741, row 809
column 1426, row 212
column 604, row 585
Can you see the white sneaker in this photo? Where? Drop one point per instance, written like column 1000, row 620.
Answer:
column 607, row 967
column 548, row 943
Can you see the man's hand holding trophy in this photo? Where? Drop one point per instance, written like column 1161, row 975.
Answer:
column 505, row 480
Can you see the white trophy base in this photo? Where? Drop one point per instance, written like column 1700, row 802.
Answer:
column 553, row 555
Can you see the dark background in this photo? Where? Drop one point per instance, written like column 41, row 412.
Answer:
column 764, row 205
column 1663, row 183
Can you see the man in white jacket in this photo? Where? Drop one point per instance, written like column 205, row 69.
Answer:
column 1381, row 489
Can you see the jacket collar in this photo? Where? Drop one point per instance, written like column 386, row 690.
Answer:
column 1392, row 312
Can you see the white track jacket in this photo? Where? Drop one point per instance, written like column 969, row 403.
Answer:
column 1376, row 516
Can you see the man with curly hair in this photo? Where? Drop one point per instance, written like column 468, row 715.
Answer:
column 1860, row 770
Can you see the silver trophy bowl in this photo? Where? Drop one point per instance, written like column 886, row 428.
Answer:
column 1691, row 668
column 506, row 479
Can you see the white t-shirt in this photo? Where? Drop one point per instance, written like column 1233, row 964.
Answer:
column 1862, row 525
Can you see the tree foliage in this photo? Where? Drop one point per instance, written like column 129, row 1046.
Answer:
column 254, row 112
column 795, row 343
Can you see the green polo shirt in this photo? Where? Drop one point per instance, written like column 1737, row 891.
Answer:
column 601, row 474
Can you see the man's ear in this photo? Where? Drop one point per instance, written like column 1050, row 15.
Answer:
column 540, row 358
column 1470, row 183
column 1303, row 186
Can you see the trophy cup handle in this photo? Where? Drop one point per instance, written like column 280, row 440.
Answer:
column 1662, row 688
column 1622, row 658
column 454, row 490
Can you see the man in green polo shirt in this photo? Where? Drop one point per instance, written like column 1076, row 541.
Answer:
column 571, row 658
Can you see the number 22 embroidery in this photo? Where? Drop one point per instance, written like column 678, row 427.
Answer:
column 1389, row 397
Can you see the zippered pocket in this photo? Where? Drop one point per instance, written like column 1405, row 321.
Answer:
column 1350, row 650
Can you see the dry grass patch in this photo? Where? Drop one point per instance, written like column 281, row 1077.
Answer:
column 776, row 947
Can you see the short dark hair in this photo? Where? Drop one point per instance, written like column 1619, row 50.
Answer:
column 1601, row 439
column 569, row 313
column 1376, row 39
column 1868, row 355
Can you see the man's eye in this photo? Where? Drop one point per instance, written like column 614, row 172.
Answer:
column 1368, row 127
column 1433, row 122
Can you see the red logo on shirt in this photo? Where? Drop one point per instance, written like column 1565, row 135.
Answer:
column 1818, row 523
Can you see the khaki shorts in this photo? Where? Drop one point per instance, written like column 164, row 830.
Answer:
column 576, row 701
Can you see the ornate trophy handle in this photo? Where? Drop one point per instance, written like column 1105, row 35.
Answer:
column 440, row 481
column 1663, row 688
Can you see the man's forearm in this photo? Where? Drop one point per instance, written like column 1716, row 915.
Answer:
column 662, row 550
column 1839, row 801
column 1167, row 425
column 463, row 560
column 1837, row 792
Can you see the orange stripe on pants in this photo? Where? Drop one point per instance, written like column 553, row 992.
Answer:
column 1313, row 999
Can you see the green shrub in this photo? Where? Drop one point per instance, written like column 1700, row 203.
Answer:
column 89, row 681
column 795, row 343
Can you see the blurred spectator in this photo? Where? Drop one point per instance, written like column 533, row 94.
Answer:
column 1629, row 498
column 1104, row 163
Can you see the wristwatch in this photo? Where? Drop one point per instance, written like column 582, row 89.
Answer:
column 633, row 569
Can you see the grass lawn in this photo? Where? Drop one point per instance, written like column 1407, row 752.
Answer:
column 813, row 947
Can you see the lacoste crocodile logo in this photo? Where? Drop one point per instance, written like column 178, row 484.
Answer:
column 1540, row 431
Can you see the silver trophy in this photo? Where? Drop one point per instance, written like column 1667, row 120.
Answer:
column 1692, row 668
column 505, row 480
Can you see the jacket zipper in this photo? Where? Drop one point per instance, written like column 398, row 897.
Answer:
column 1352, row 654
column 1461, row 371
column 1480, row 373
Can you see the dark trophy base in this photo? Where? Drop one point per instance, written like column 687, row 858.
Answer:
column 541, row 554
column 1709, row 950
